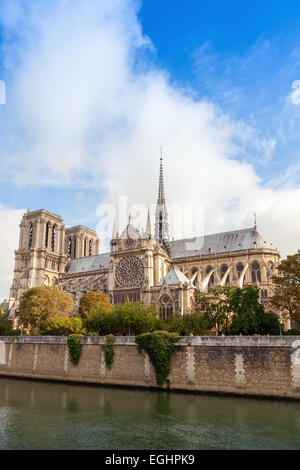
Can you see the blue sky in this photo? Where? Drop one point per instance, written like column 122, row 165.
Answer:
column 243, row 55
column 94, row 89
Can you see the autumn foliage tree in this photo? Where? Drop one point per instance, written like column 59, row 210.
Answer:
column 38, row 304
column 93, row 300
column 286, row 296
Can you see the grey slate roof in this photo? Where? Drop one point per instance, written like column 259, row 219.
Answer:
column 223, row 242
column 89, row 263
column 175, row 276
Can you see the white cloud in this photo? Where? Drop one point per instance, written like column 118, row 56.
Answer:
column 85, row 104
column 9, row 220
column 295, row 95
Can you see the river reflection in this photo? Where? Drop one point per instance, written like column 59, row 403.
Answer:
column 40, row 415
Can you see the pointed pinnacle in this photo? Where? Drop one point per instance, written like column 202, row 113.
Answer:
column 115, row 233
column 148, row 231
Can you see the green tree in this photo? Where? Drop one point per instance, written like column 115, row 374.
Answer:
column 60, row 326
column 92, row 300
column 286, row 296
column 215, row 307
column 40, row 303
column 185, row 325
column 249, row 316
column 129, row 318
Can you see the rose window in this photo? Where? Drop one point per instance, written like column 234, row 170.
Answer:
column 130, row 272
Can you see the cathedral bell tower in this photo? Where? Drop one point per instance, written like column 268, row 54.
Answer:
column 161, row 214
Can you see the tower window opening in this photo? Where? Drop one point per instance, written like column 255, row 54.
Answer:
column 30, row 236
column 47, row 235
column 53, row 238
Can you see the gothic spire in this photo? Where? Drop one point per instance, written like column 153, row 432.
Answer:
column 161, row 213
column 161, row 189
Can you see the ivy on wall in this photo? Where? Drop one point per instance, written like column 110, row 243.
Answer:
column 74, row 348
column 159, row 345
column 109, row 351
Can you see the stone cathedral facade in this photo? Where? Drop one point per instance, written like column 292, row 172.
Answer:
column 140, row 266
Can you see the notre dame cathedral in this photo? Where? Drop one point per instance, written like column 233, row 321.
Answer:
column 141, row 266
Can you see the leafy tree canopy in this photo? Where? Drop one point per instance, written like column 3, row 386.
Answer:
column 235, row 311
column 131, row 317
column 3, row 312
column 40, row 303
column 287, row 287
column 216, row 307
column 60, row 326
column 92, row 300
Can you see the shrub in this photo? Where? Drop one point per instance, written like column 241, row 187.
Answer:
column 128, row 318
column 292, row 332
column 159, row 346
column 6, row 328
column 186, row 325
column 57, row 326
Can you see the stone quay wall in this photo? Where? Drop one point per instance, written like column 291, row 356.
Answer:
column 261, row 366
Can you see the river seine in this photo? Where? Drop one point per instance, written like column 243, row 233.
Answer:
column 40, row 415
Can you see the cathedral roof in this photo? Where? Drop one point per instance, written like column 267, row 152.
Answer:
column 223, row 242
column 89, row 263
column 175, row 276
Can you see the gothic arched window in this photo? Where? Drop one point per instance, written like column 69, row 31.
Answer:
column 224, row 269
column 53, row 238
column 270, row 271
column 264, row 293
column 84, row 247
column 211, row 282
column 166, row 307
column 256, row 273
column 239, row 269
column 30, row 236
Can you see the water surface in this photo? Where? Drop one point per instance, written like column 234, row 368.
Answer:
column 41, row 415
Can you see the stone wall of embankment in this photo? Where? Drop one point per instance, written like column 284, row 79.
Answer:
column 265, row 366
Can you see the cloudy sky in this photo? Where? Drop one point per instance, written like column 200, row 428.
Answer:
column 94, row 88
